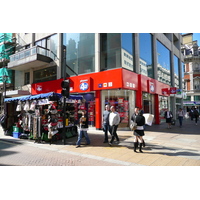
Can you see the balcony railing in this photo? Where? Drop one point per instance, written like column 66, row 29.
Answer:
column 32, row 51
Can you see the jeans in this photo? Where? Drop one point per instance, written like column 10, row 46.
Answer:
column 114, row 133
column 180, row 120
column 106, row 128
column 81, row 133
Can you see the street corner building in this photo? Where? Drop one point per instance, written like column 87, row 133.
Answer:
column 124, row 70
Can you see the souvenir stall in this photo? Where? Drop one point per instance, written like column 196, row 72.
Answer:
column 40, row 117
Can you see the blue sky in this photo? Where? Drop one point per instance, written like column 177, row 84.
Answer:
column 196, row 36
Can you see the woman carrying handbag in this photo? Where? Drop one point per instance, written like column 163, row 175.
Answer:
column 139, row 132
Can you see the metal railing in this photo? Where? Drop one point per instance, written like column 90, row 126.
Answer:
column 32, row 51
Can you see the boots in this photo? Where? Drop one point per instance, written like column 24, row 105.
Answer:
column 135, row 146
column 140, row 148
column 143, row 143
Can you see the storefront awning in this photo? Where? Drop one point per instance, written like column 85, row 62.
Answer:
column 22, row 98
column 41, row 96
column 45, row 95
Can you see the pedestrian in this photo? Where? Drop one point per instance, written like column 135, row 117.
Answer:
column 83, row 129
column 114, row 120
column 180, row 116
column 191, row 113
column 196, row 115
column 105, row 122
column 168, row 117
column 139, row 132
column 136, row 112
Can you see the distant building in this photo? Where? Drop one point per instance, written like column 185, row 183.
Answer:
column 191, row 52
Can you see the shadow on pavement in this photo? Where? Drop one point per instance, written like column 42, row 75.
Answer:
column 188, row 127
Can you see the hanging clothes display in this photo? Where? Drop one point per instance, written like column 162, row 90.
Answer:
column 42, row 116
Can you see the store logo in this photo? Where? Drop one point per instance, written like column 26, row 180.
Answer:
column 100, row 85
column 110, row 84
column 152, row 88
column 173, row 90
column 39, row 88
column 84, row 86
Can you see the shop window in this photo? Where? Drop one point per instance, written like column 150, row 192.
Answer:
column 123, row 100
column 147, row 103
column 163, row 105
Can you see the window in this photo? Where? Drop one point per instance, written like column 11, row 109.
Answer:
column 27, row 78
column 80, row 54
column 146, row 54
column 197, row 98
column 50, row 43
column 116, row 50
column 163, row 63
column 176, row 71
column 47, row 74
column 110, row 50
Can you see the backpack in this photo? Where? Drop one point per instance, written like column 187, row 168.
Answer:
column 196, row 113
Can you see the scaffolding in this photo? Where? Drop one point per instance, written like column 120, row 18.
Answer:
column 7, row 48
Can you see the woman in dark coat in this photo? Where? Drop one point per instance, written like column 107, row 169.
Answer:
column 139, row 132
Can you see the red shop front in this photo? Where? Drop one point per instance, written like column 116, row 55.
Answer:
column 102, row 83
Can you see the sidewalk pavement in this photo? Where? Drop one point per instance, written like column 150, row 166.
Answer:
column 164, row 147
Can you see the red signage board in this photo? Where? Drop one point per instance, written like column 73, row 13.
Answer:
column 165, row 91
column 45, row 87
column 172, row 90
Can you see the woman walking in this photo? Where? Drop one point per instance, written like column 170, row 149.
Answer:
column 139, row 132
column 168, row 117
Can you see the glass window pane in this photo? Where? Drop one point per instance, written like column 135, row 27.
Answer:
column 146, row 54
column 176, row 72
column 110, row 50
column 53, row 44
column 163, row 64
column 80, row 52
column 127, row 50
column 46, row 74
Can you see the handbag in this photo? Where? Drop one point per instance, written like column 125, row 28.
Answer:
column 133, row 125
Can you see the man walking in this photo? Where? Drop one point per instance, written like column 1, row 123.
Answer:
column 105, row 120
column 114, row 120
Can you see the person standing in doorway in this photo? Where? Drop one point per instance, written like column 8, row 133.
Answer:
column 83, row 129
column 180, row 116
column 168, row 117
column 105, row 122
column 114, row 120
